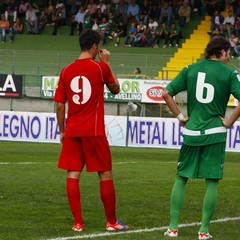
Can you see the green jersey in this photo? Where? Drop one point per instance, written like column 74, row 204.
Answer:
column 209, row 84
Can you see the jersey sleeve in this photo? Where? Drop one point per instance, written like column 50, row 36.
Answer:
column 235, row 84
column 107, row 73
column 178, row 84
column 60, row 93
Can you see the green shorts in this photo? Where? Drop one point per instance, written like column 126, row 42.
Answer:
column 202, row 161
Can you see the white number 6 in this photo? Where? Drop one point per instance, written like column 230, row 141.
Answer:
column 201, row 85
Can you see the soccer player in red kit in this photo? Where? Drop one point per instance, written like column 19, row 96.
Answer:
column 83, row 137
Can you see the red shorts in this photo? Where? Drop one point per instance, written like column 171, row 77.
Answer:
column 92, row 151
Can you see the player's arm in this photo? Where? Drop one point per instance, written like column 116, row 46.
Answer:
column 104, row 56
column 174, row 108
column 61, row 119
column 114, row 88
column 232, row 119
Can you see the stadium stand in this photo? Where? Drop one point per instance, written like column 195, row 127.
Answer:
column 191, row 51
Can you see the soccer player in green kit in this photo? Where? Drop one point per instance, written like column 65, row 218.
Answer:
column 209, row 84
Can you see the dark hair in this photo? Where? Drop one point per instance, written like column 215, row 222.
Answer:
column 216, row 45
column 138, row 70
column 88, row 38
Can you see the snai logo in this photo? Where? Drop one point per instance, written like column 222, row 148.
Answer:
column 155, row 93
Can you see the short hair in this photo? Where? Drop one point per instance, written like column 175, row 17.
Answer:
column 88, row 38
column 216, row 45
column 138, row 70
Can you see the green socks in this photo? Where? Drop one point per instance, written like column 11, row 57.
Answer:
column 177, row 199
column 209, row 204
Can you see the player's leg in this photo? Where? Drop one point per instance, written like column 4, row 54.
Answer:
column 209, row 204
column 72, row 160
column 187, row 168
column 108, row 195
column 210, row 168
column 74, row 199
column 177, row 199
column 98, row 159
column 176, row 204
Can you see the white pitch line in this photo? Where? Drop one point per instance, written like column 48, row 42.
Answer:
column 107, row 234
column 23, row 163
column 118, row 163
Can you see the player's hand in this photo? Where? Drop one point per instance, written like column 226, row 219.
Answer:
column 225, row 122
column 184, row 121
column 62, row 137
column 104, row 55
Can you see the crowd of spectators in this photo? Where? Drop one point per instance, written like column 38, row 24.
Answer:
column 140, row 23
column 228, row 26
column 112, row 18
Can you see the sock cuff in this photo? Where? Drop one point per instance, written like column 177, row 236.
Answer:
column 72, row 179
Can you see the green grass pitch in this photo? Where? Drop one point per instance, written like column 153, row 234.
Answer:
column 33, row 203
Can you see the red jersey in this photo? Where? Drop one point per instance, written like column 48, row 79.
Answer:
column 81, row 84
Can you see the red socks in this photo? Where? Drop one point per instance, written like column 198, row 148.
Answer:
column 107, row 192
column 73, row 194
column 108, row 196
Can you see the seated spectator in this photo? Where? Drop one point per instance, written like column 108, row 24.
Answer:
column 131, row 35
column 217, row 33
column 77, row 21
column 112, row 6
column 121, row 11
column 12, row 10
column 87, row 21
column 22, row 9
column 236, row 8
column 111, row 20
column 59, row 17
column 99, row 15
column 102, row 6
column 72, row 6
column 91, row 8
column 211, row 7
column 174, row 34
column 32, row 19
column 176, row 4
column 18, row 26
column 119, row 31
column 95, row 24
column 3, row 7
column 184, row 13
column 5, row 28
column 42, row 21
column 151, row 31
column 162, row 33
column 133, row 11
column 216, row 21
column 233, row 40
column 141, row 35
column 145, row 11
column 104, row 30
column 60, row 4
column 237, row 26
column 201, row 8
column 166, row 14
column 237, row 50
column 228, row 24
column 50, row 10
